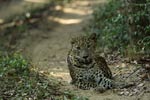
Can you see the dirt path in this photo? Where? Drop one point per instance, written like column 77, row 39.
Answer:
column 48, row 47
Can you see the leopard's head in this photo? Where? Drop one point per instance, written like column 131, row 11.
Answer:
column 83, row 48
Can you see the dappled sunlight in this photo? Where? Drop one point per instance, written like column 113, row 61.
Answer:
column 73, row 11
column 61, row 75
column 77, row 11
column 83, row 3
column 56, row 69
column 65, row 21
column 1, row 21
column 37, row 1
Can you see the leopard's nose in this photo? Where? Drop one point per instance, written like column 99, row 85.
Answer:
column 85, row 56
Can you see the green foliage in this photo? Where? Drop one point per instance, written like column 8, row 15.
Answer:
column 13, row 64
column 19, row 81
column 121, row 26
column 109, row 23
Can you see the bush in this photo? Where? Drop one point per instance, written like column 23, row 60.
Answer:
column 13, row 64
column 123, row 25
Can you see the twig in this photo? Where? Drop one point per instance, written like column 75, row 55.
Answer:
column 133, row 72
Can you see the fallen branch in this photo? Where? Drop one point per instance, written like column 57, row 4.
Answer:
column 133, row 72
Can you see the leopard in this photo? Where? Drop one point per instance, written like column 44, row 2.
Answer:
column 89, row 70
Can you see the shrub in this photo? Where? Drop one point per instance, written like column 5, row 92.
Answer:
column 13, row 64
column 123, row 25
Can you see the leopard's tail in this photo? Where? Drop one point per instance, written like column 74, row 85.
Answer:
column 107, row 83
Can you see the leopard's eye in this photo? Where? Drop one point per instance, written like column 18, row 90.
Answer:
column 78, row 47
column 88, row 46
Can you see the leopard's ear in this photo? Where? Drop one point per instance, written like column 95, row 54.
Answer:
column 93, row 36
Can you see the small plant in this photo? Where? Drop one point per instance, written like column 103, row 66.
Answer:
column 13, row 62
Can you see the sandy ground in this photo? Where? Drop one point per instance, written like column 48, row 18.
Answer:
column 47, row 46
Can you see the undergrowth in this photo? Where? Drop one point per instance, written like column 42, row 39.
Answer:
column 19, row 81
column 123, row 26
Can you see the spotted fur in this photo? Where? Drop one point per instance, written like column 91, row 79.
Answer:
column 87, row 68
